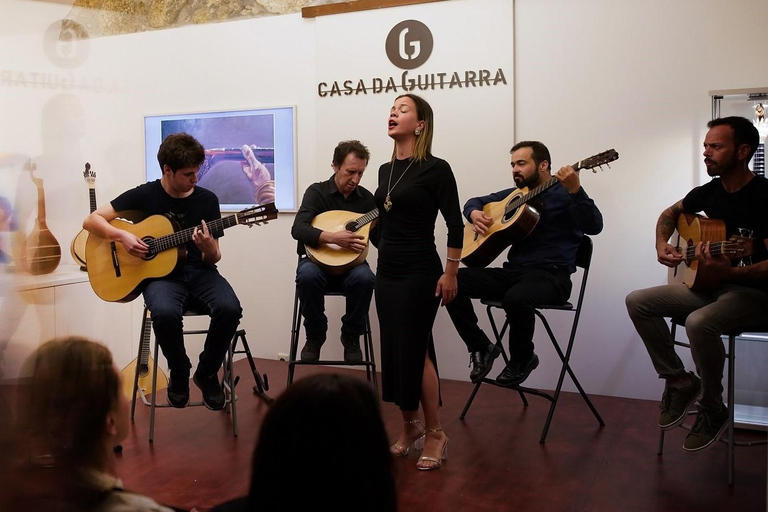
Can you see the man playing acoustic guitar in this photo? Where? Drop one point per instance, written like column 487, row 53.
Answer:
column 738, row 299
column 342, row 193
column 194, row 285
column 538, row 267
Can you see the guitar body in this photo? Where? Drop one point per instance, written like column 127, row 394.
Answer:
column 145, row 377
column 692, row 229
column 115, row 275
column 77, row 247
column 507, row 228
column 330, row 257
column 41, row 253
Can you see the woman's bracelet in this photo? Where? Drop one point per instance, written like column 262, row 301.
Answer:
column 457, row 260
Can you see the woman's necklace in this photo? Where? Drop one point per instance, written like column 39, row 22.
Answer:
column 390, row 187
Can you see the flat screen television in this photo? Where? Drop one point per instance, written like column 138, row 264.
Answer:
column 268, row 132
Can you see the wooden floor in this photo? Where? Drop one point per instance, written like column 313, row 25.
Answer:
column 495, row 461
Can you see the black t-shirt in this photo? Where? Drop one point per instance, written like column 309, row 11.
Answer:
column 188, row 211
column 745, row 209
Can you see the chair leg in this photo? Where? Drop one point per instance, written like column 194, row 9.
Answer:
column 370, row 355
column 261, row 386
column 138, row 361
column 154, row 398
column 229, row 378
column 295, row 327
column 660, row 449
column 731, row 404
column 470, row 400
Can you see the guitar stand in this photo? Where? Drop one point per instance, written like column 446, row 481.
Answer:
column 262, row 382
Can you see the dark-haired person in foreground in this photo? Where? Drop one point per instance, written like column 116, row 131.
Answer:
column 342, row 191
column 196, row 285
column 739, row 298
column 538, row 268
column 322, row 446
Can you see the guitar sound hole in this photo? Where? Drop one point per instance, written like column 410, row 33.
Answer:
column 150, row 241
column 510, row 211
column 350, row 226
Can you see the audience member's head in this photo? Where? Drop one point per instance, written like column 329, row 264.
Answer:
column 71, row 414
column 323, row 445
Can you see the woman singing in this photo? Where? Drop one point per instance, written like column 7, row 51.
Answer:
column 410, row 281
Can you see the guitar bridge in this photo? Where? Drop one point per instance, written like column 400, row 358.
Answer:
column 115, row 261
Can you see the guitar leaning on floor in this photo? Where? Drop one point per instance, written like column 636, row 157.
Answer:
column 77, row 247
column 331, row 257
column 145, row 366
column 692, row 229
column 116, row 276
column 514, row 218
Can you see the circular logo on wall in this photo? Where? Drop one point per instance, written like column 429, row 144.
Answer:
column 66, row 43
column 409, row 44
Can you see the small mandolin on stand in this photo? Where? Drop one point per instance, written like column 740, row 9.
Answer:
column 41, row 252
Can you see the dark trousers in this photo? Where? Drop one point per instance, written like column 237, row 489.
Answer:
column 312, row 282
column 194, row 288
column 519, row 290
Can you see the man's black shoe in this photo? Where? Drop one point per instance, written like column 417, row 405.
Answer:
column 516, row 372
column 213, row 394
column 482, row 362
column 178, row 389
column 352, row 352
column 311, row 351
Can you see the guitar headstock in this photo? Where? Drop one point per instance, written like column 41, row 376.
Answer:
column 739, row 247
column 89, row 175
column 256, row 215
column 597, row 160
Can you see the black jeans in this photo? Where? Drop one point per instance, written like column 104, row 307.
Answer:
column 520, row 290
column 167, row 299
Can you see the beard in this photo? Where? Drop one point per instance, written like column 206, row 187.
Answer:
column 721, row 168
column 529, row 182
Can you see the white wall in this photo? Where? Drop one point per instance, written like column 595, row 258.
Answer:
column 589, row 75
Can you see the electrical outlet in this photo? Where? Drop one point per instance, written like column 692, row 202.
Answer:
column 282, row 357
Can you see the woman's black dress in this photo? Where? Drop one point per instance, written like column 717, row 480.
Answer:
column 409, row 268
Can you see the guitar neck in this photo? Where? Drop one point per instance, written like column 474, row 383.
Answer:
column 185, row 235
column 92, row 196
column 365, row 219
column 539, row 189
column 715, row 249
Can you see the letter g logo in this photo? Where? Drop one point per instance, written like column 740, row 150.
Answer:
column 409, row 44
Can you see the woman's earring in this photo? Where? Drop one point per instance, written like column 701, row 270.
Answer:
column 417, row 132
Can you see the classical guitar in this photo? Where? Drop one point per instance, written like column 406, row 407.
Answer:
column 331, row 257
column 145, row 365
column 77, row 247
column 514, row 218
column 692, row 229
column 116, row 276
column 41, row 252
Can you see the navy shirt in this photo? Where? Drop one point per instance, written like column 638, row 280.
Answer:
column 565, row 219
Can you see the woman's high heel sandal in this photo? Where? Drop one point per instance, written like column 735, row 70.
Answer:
column 426, row 463
column 417, row 441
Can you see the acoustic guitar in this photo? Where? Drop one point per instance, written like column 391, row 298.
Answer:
column 41, row 252
column 515, row 217
column 331, row 257
column 145, row 364
column 77, row 247
column 116, row 276
column 692, row 229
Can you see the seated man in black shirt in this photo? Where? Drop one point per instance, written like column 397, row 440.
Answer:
column 197, row 284
column 538, row 268
column 738, row 297
column 340, row 192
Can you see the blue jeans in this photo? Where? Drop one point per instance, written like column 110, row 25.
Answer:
column 312, row 282
column 200, row 289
